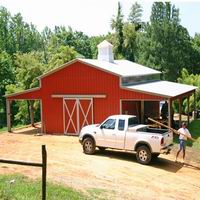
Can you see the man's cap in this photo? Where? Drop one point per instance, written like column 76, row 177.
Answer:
column 184, row 124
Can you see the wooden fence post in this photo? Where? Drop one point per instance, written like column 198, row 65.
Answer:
column 44, row 171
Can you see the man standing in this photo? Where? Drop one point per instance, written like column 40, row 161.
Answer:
column 184, row 134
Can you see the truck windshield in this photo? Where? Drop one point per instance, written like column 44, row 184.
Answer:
column 132, row 121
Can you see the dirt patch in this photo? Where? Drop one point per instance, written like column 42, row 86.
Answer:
column 115, row 171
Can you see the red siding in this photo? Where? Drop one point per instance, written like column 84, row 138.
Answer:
column 77, row 79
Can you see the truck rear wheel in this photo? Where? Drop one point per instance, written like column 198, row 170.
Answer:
column 88, row 146
column 143, row 155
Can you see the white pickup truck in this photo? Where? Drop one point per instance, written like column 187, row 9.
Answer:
column 123, row 132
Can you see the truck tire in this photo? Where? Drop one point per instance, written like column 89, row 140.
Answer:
column 88, row 146
column 143, row 155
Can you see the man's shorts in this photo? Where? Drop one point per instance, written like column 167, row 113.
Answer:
column 182, row 144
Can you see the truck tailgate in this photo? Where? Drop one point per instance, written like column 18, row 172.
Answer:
column 168, row 138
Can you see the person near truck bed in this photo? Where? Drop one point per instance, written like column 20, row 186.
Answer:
column 183, row 135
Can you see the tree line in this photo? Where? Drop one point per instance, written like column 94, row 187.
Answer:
column 162, row 43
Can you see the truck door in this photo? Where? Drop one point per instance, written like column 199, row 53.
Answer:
column 106, row 135
column 120, row 134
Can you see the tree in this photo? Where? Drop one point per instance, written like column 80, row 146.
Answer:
column 5, row 41
column 165, row 45
column 196, row 54
column 135, row 15
column 117, row 25
column 60, row 56
column 76, row 40
column 6, row 76
column 28, row 67
column 129, row 43
column 194, row 80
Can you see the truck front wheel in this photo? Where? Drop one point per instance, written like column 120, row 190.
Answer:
column 143, row 155
column 88, row 146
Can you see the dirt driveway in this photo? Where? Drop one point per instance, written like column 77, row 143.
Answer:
column 112, row 171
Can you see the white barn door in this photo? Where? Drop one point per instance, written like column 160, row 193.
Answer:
column 77, row 113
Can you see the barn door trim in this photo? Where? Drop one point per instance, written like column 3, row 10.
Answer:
column 85, row 114
column 77, row 105
column 69, row 114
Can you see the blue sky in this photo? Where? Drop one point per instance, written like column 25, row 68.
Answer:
column 92, row 16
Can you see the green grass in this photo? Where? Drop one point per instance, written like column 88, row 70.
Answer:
column 194, row 128
column 18, row 187
column 3, row 129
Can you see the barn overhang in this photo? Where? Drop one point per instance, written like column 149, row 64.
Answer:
column 165, row 89
column 169, row 91
column 30, row 94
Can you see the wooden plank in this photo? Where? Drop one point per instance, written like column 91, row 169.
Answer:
column 20, row 163
column 174, row 130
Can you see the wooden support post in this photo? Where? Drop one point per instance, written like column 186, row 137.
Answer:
column 169, row 112
column 44, row 171
column 180, row 111
column 188, row 109
column 8, row 114
column 142, row 112
column 195, row 112
column 32, row 113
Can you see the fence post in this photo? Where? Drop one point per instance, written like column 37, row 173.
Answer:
column 44, row 171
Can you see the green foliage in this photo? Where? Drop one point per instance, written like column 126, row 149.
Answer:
column 196, row 55
column 76, row 40
column 190, row 79
column 162, row 44
column 194, row 128
column 28, row 68
column 130, row 35
column 135, row 14
column 60, row 56
column 117, row 25
column 6, row 77
column 165, row 45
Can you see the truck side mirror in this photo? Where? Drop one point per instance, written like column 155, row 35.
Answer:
column 102, row 127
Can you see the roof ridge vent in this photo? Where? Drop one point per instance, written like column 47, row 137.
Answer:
column 105, row 52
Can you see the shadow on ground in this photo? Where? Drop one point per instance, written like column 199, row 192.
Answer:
column 31, row 131
column 160, row 163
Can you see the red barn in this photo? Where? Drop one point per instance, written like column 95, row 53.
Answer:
column 85, row 91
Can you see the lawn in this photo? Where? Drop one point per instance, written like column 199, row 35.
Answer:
column 18, row 187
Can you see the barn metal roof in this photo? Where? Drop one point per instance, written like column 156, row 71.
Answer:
column 122, row 68
column 162, row 88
